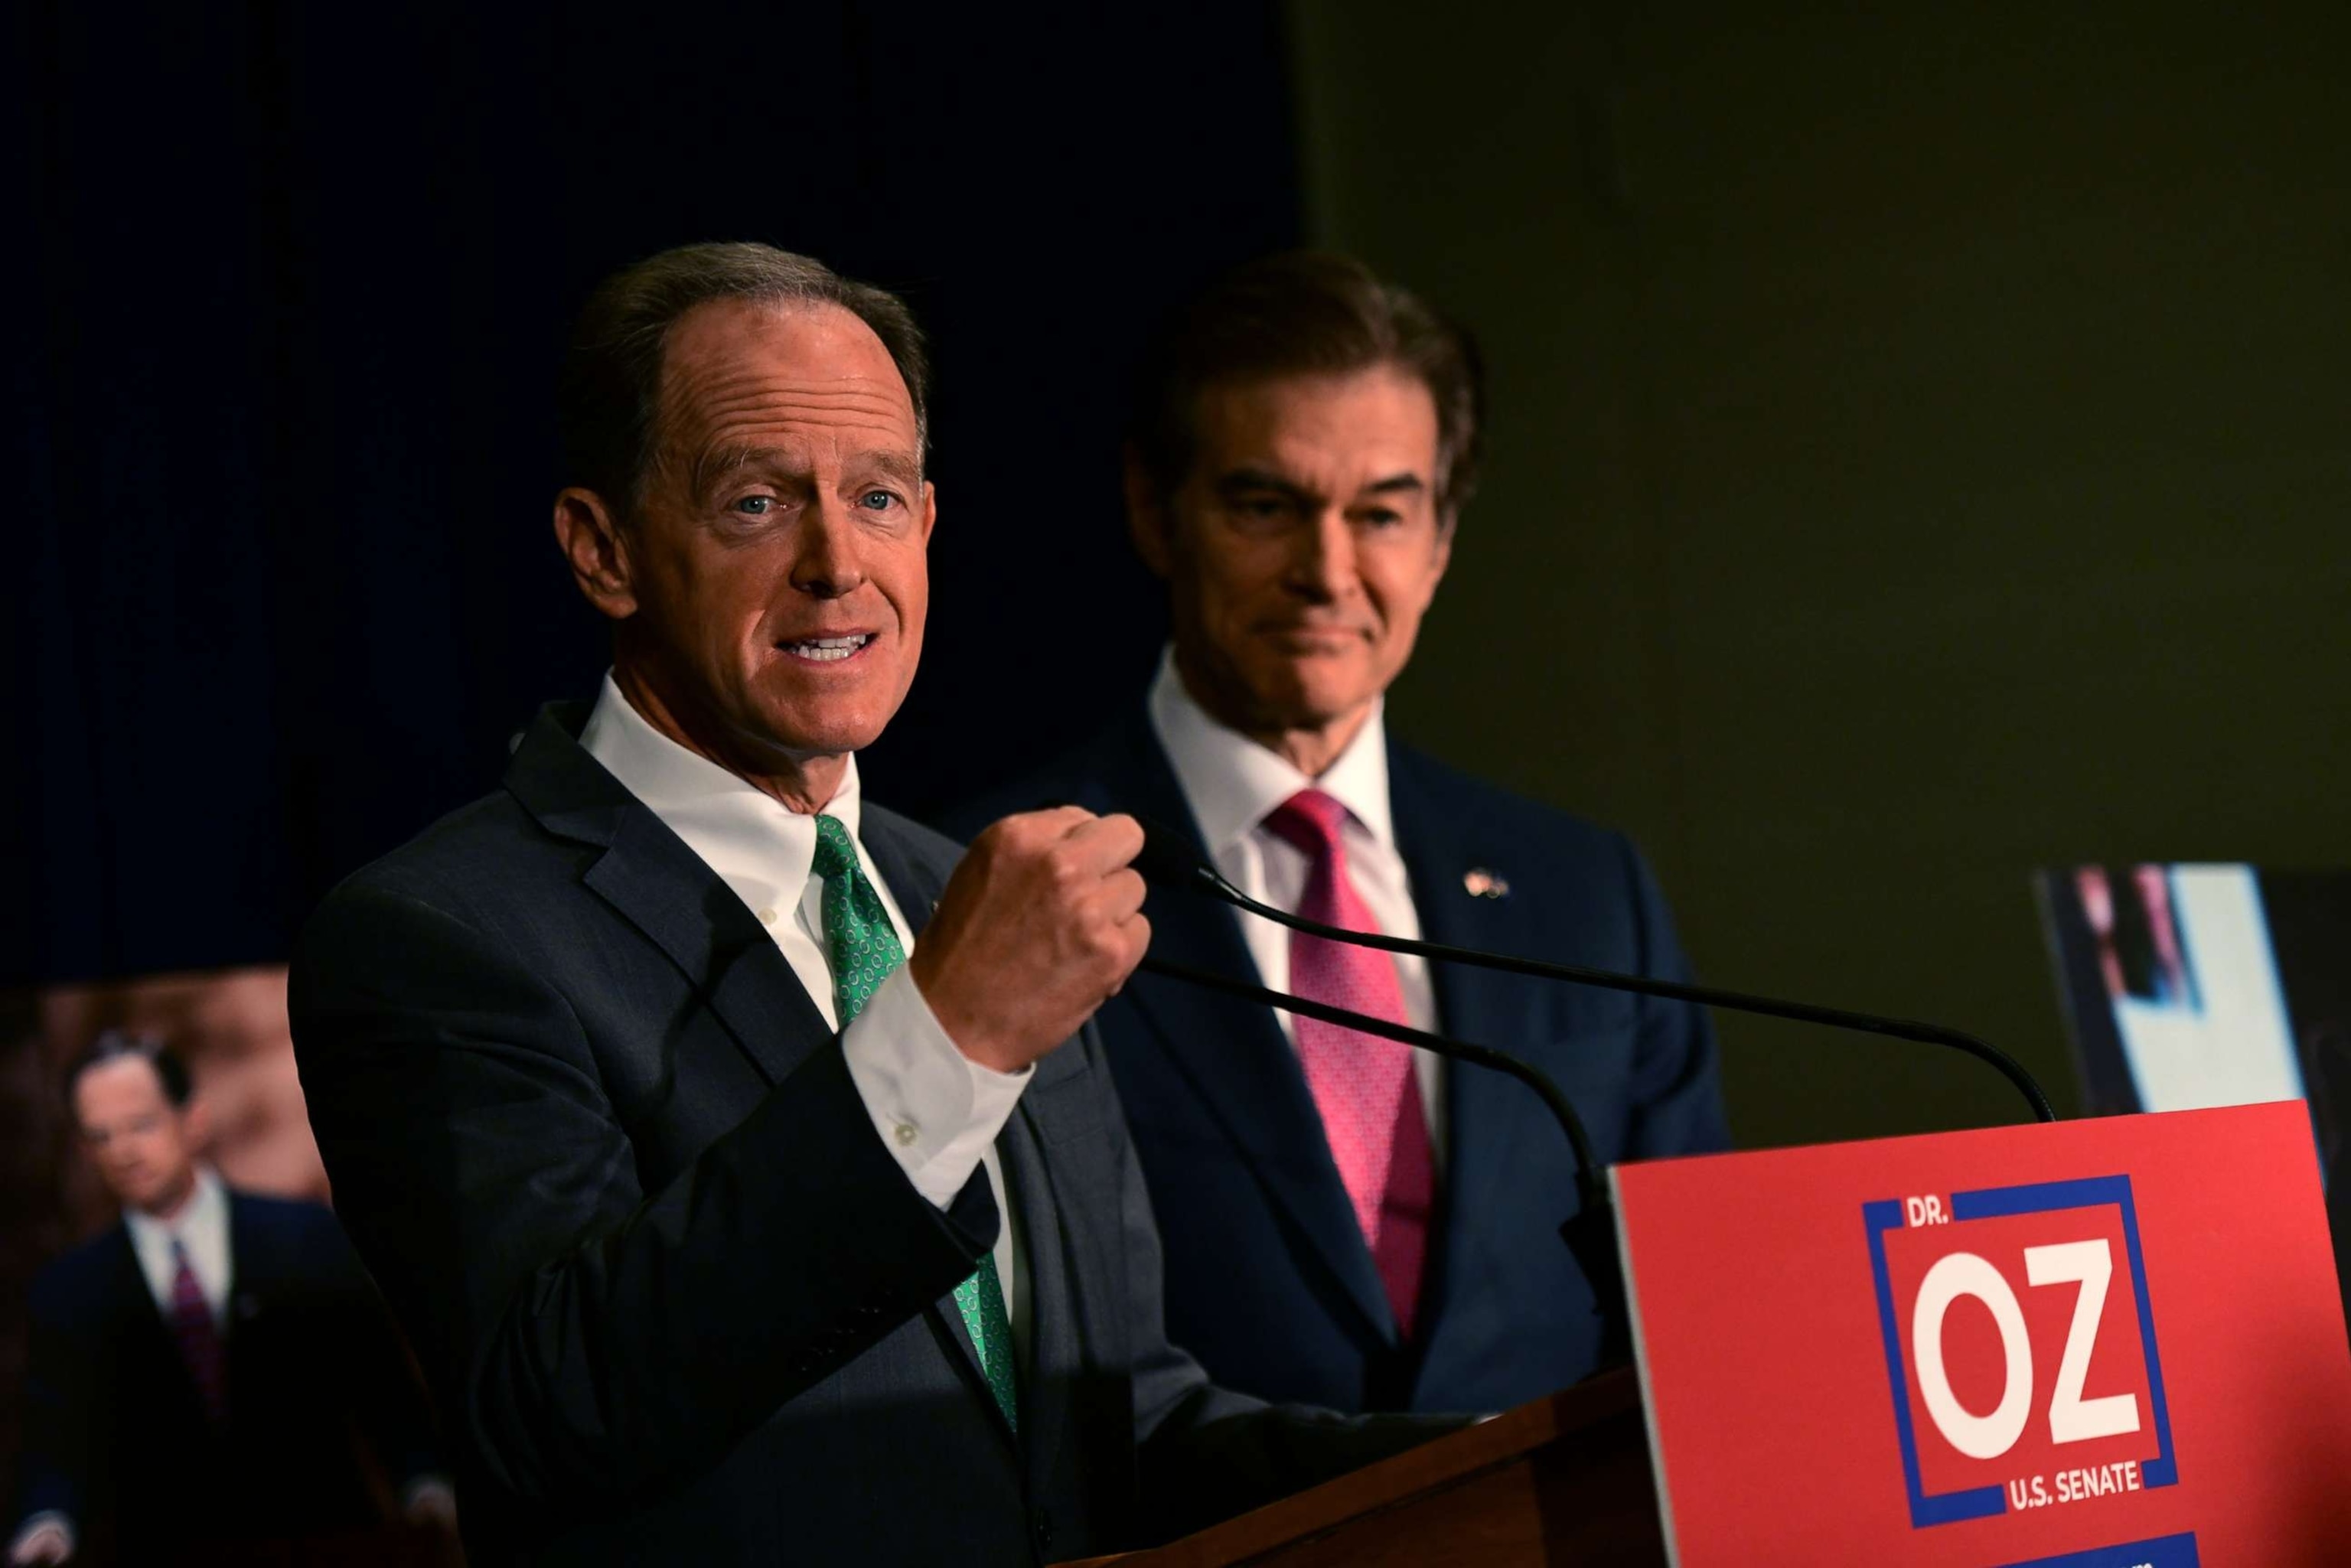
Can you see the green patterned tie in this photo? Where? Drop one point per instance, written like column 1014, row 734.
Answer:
column 864, row 950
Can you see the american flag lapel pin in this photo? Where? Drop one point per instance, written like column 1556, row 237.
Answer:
column 1480, row 882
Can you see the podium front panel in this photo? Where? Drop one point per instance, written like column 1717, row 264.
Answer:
column 2116, row 1342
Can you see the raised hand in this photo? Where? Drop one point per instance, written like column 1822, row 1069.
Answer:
column 1041, row 923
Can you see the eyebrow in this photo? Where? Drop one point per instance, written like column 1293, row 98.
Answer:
column 722, row 461
column 719, row 462
column 895, row 465
column 1239, row 479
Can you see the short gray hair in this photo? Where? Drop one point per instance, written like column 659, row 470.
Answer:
column 609, row 400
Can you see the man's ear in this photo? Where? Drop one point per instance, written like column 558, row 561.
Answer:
column 930, row 510
column 196, row 1125
column 598, row 549
column 1147, row 519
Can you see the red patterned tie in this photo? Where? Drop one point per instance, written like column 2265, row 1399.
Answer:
column 1363, row 1086
column 199, row 1339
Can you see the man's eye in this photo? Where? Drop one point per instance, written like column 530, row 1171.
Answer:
column 755, row 506
column 877, row 500
column 1381, row 517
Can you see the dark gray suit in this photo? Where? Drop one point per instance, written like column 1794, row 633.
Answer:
column 678, row 1301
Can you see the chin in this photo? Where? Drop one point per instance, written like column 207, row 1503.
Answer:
column 827, row 733
column 1302, row 703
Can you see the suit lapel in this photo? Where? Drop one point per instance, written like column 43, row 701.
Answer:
column 914, row 882
column 654, row 881
column 1485, row 1111
column 145, row 1316
column 1233, row 1053
column 1050, row 1369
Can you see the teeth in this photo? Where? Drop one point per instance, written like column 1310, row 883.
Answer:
column 826, row 649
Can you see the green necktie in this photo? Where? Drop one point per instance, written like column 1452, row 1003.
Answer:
column 864, row 950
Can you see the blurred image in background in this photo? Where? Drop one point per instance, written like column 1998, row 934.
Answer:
column 204, row 1365
column 2189, row 986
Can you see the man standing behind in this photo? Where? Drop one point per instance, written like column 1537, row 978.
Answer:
column 198, row 1371
column 721, row 1140
column 1348, row 1221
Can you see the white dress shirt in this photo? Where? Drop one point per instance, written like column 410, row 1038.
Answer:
column 935, row 1110
column 200, row 1231
column 1233, row 784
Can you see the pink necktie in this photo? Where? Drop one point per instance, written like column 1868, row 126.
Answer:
column 1364, row 1087
column 199, row 1339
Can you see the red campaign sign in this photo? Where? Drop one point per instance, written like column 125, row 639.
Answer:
column 2115, row 1343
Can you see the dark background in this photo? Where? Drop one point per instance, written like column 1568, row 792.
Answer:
column 301, row 276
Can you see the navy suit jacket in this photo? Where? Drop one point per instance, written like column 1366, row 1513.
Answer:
column 115, row 1438
column 681, row 1304
column 1269, row 1283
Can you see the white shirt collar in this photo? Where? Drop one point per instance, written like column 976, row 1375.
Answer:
column 206, row 1211
column 758, row 846
column 1233, row 783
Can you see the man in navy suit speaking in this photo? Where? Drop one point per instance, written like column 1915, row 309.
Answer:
column 739, row 1158
column 1348, row 1221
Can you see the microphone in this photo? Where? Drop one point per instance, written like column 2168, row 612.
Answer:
column 1168, row 859
column 1589, row 1232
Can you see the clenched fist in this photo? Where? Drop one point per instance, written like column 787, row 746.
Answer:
column 1041, row 923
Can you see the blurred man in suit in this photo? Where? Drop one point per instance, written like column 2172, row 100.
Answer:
column 1348, row 1221
column 743, row 1164
column 198, row 1372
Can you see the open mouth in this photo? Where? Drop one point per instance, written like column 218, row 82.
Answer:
column 827, row 650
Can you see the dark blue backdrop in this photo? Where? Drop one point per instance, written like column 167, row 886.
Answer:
column 297, row 279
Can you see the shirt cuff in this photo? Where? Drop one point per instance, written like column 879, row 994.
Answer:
column 934, row 1109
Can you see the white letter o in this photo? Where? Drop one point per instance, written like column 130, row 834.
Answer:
column 1977, row 1437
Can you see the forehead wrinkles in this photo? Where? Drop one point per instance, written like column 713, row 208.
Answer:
column 728, row 401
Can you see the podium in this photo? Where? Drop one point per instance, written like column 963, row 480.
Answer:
column 2113, row 1343
column 1563, row 1479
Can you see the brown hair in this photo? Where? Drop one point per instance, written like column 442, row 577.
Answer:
column 609, row 398
column 1306, row 313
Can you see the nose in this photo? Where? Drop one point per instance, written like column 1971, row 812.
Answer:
column 1323, row 565
column 827, row 565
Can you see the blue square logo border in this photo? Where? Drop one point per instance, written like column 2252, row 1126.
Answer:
column 1994, row 1203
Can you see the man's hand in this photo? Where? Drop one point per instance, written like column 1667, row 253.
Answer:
column 46, row 1541
column 1039, row 926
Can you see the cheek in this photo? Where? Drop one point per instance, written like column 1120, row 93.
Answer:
column 1401, row 592
column 1238, row 584
column 910, row 594
column 713, row 597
